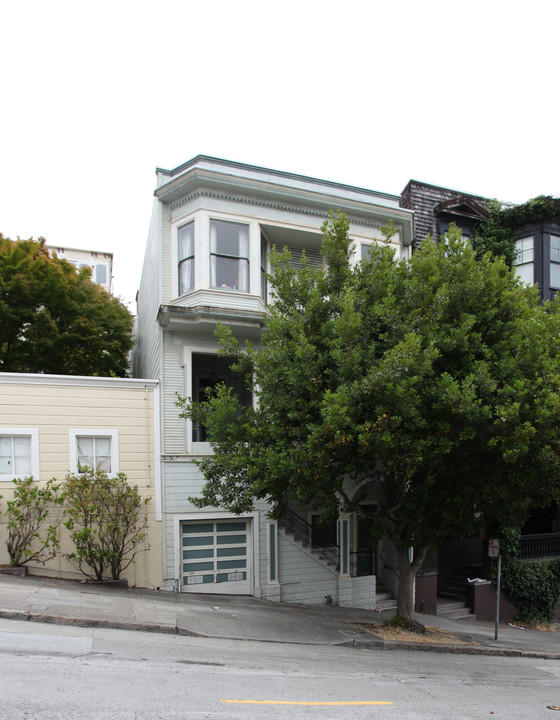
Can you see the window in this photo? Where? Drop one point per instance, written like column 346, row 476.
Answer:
column 208, row 371
column 101, row 274
column 186, row 258
column 96, row 449
column 314, row 257
column 19, row 453
column 524, row 260
column 555, row 261
column 229, row 255
column 264, row 284
column 366, row 251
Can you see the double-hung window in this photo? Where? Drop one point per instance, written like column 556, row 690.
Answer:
column 95, row 449
column 264, row 257
column 523, row 262
column 229, row 255
column 19, row 453
column 186, row 258
column 555, row 261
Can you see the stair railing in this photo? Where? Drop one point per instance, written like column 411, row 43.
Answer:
column 310, row 536
column 544, row 545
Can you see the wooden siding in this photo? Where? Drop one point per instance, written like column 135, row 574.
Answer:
column 173, row 373
column 53, row 405
column 167, row 254
column 181, row 480
column 422, row 198
column 221, row 299
column 146, row 362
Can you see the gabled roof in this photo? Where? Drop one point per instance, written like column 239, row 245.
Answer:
column 462, row 206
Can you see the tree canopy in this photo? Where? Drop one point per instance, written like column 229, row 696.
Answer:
column 429, row 387
column 55, row 319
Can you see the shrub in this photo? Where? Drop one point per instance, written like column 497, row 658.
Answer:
column 533, row 587
column 107, row 522
column 27, row 540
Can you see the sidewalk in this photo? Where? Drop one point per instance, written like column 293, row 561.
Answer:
column 68, row 602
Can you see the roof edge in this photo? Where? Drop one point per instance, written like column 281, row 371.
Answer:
column 278, row 173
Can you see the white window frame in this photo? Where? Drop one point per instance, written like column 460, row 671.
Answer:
column 243, row 261
column 112, row 434
column 33, row 434
column 185, row 259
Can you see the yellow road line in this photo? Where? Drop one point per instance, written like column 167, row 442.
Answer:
column 297, row 702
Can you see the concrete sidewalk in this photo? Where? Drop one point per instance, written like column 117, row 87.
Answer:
column 68, row 602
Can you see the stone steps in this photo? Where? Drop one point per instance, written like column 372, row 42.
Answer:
column 453, row 610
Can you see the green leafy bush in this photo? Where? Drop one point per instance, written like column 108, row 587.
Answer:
column 107, row 522
column 28, row 541
column 533, row 587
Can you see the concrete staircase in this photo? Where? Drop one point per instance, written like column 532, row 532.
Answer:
column 454, row 600
column 384, row 599
column 453, row 609
column 315, row 553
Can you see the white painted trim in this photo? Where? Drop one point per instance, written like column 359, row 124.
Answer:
column 75, row 433
column 32, row 433
column 72, row 380
column 157, row 455
column 269, row 525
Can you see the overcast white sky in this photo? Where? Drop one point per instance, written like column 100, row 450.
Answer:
column 96, row 95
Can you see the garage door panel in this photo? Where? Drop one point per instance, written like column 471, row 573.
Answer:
column 215, row 556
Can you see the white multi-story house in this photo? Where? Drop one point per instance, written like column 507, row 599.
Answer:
column 101, row 263
column 213, row 225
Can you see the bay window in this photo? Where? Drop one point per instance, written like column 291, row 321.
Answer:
column 185, row 253
column 264, row 257
column 555, row 261
column 523, row 263
column 229, row 255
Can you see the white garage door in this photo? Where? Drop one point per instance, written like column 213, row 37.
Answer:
column 216, row 557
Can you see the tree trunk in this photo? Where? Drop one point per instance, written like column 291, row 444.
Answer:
column 407, row 578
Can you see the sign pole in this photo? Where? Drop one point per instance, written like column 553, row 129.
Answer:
column 494, row 552
column 498, row 595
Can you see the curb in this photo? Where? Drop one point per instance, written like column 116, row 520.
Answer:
column 456, row 649
column 356, row 643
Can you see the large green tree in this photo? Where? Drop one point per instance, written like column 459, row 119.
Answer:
column 55, row 319
column 431, row 385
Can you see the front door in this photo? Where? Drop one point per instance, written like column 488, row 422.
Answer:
column 216, row 556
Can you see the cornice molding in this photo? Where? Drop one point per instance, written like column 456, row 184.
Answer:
column 276, row 206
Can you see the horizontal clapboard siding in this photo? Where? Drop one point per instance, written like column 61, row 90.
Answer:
column 54, row 409
column 146, row 357
column 54, row 405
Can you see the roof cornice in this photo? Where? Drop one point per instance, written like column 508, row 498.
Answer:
column 8, row 378
column 303, row 196
column 180, row 169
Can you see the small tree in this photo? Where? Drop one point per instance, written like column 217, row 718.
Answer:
column 27, row 540
column 54, row 319
column 107, row 522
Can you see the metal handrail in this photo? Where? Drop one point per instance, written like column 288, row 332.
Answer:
column 542, row 545
column 309, row 535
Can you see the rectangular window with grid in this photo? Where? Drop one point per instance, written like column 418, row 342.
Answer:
column 229, row 255
column 96, row 449
column 523, row 263
column 19, row 453
column 555, row 261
